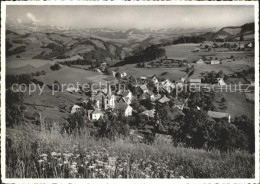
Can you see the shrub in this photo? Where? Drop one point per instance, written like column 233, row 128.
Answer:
column 56, row 66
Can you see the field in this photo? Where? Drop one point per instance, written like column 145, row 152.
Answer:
column 237, row 104
column 47, row 153
column 65, row 75
column 71, row 75
column 17, row 63
column 182, row 51
column 227, row 67
column 49, row 105
column 170, row 73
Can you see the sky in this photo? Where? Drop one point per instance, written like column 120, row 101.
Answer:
column 131, row 16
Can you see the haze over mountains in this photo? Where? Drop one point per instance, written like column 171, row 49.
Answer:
column 48, row 42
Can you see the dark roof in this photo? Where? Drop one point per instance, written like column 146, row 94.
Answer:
column 121, row 105
column 150, row 93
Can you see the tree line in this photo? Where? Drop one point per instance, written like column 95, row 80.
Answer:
column 150, row 53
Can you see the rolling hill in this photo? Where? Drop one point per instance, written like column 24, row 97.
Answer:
column 52, row 42
column 232, row 33
column 40, row 45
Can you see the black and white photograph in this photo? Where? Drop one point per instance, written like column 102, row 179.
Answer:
column 129, row 91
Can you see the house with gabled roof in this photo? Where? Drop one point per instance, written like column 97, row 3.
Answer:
column 75, row 108
column 167, row 85
column 124, row 107
column 95, row 114
column 219, row 115
column 164, row 100
column 149, row 113
column 200, row 61
column 154, row 79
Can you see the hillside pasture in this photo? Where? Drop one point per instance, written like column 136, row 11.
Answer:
column 18, row 63
column 170, row 73
column 237, row 104
column 227, row 67
column 50, row 104
column 69, row 75
column 182, row 51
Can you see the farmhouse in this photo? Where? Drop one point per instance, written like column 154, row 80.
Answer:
column 154, row 79
column 214, row 62
column 114, row 73
column 94, row 114
column 167, row 85
column 75, row 108
column 200, row 61
column 122, row 74
column 164, row 99
column 249, row 45
column 194, row 81
column 221, row 82
column 140, row 89
column 219, row 115
column 126, row 94
column 149, row 113
column 124, row 107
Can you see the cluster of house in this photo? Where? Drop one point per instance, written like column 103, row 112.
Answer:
column 212, row 62
column 101, row 68
column 104, row 100
column 207, row 46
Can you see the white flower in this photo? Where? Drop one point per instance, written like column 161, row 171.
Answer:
column 40, row 161
column 43, row 155
column 53, row 154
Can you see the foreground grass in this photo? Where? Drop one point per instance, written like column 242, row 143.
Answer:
column 47, row 154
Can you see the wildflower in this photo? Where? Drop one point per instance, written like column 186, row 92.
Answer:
column 43, row 155
column 53, row 154
column 59, row 159
column 40, row 161
column 65, row 162
column 74, row 163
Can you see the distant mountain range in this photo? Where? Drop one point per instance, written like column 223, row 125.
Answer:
column 48, row 42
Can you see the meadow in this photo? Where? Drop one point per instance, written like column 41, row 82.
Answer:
column 49, row 154
column 170, row 73
column 17, row 63
column 182, row 51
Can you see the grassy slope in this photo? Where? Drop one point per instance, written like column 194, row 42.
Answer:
column 185, row 162
column 68, row 75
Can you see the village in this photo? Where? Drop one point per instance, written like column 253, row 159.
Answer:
column 153, row 93
column 158, row 91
